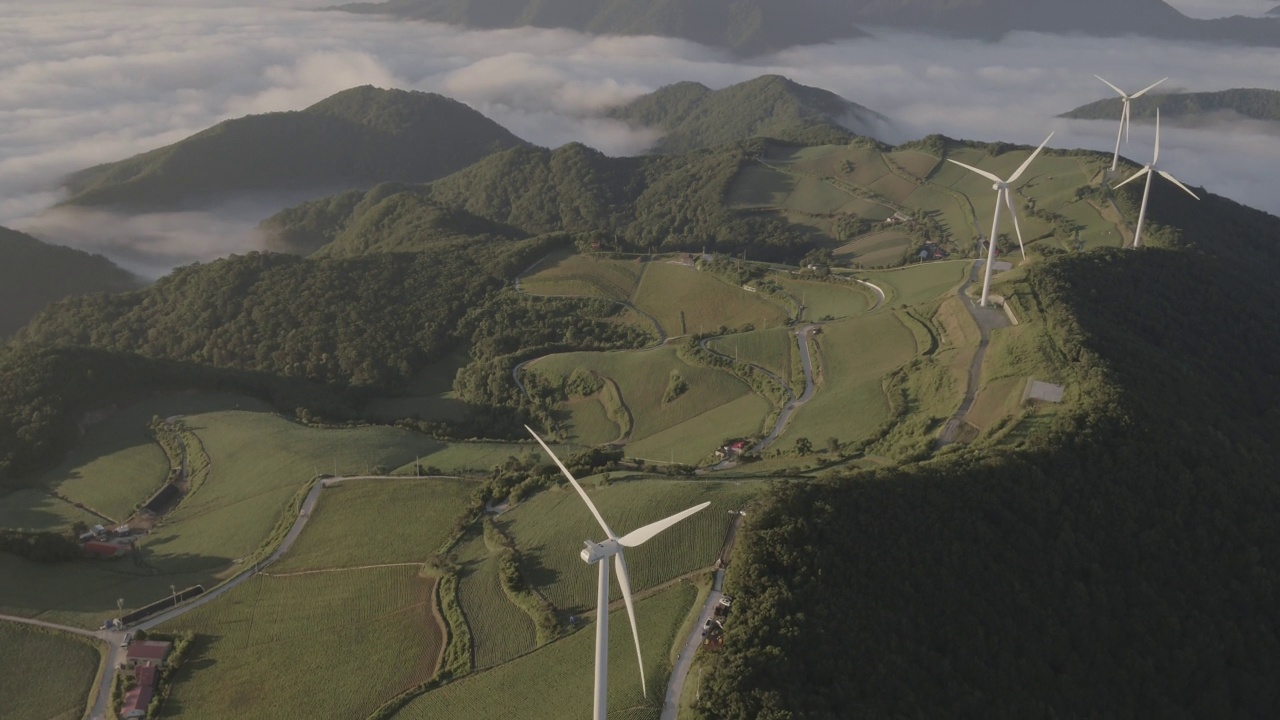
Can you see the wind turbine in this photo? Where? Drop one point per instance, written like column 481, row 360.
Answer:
column 1124, row 114
column 1146, row 191
column 1002, row 193
column 598, row 553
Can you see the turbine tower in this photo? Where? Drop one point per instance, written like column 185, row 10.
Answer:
column 1146, row 191
column 1002, row 193
column 1124, row 115
column 598, row 554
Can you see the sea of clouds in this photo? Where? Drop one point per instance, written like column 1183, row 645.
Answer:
column 84, row 82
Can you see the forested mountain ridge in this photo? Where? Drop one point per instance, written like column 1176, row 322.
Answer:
column 642, row 203
column 1188, row 108
column 34, row 274
column 760, row 26
column 355, row 138
column 693, row 116
column 1122, row 560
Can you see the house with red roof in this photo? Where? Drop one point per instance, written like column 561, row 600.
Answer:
column 144, row 652
column 138, row 698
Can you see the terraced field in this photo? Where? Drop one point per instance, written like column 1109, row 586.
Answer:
column 856, row 355
column 284, row 647
column 366, row 522
column 551, row 526
column 44, row 674
column 702, row 416
column 556, row 681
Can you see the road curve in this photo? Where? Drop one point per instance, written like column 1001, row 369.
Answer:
column 806, row 363
column 986, row 320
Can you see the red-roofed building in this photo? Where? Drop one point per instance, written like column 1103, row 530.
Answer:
column 136, row 701
column 104, row 549
column 148, row 651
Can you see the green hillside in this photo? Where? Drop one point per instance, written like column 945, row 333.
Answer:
column 693, row 116
column 1188, row 108
column 356, row 138
column 34, row 274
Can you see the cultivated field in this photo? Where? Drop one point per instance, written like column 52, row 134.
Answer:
column 829, row 299
column 773, row 349
column 856, row 355
column 367, row 522
column 687, row 301
column 877, row 249
column 566, row 273
column 919, row 283
column 500, row 630
column 642, row 376
column 556, row 681
column 588, row 423
column 44, row 674
column 287, row 647
column 551, row 526
column 37, row 509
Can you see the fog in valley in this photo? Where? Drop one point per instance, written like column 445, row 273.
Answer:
column 83, row 83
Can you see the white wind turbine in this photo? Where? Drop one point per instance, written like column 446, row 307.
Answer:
column 1146, row 191
column 599, row 554
column 1002, row 193
column 1124, row 115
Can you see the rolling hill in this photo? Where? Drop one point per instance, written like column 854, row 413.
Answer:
column 356, row 138
column 34, row 274
column 760, row 26
column 1189, row 108
column 693, row 116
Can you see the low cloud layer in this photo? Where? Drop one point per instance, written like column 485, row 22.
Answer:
column 84, row 83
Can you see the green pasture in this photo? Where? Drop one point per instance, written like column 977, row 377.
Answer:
column 771, row 349
column 36, row 509
column 460, row 457
column 287, row 647
column 642, row 378
column 914, row 162
column 44, row 674
column 947, row 208
column 367, row 522
column 588, row 423
column 856, row 355
column 500, row 629
column 865, row 165
column 116, row 465
column 877, row 249
column 915, row 284
column 567, row 273
column 693, row 441
column 556, row 681
column 686, row 301
column 834, row 299
column 893, row 188
column 1097, row 232
column 550, row 527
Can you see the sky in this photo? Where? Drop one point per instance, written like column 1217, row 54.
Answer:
column 90, row 82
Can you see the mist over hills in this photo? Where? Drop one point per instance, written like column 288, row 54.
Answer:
column 34, row 274
column 1188, row 108
column 694, row 116
column 758, row 26
column 355, row 138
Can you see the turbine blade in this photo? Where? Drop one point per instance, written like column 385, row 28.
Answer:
column 583, row 493
column 644, row 534
column 1113, row 87
column 1144, row 90
column 1008, row 198
column 1156, row 158
column 624, row 581
column 983, row 173
column 1135, row 176
column 1124, row 120
column 1174, row 180
column 1027, row 162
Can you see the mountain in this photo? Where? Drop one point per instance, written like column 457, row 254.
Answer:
column 1188, row 108
column 1274, row 11
column 693, row 116
column 747, row 26
column 760, row 26
column 356, row 138
column 34, row 274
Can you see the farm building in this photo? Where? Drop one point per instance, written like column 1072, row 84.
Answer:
column 146, row 652
column 104, row 549
column 139, row 696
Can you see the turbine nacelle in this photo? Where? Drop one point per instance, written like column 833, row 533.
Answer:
column 595, row 552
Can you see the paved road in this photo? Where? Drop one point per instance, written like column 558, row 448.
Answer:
column 874, row 288
column 987, row 319
column 671, row 704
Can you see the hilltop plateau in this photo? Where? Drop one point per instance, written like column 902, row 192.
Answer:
column 1198, row 108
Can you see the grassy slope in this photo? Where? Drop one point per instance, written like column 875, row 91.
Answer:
column 565, row 273
column 283, row 647
column 669, row 291
column 551, row 527
column 642, row 377
column 822, row 299
column 44, row 674
column 771, row 349
column 916, row 284
column 365, row 522
column 555, row 681
column 856, row 356
column 500, row 630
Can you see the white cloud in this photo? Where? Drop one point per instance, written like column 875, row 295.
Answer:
column 85, row 82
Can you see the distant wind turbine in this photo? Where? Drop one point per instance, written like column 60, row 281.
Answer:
column 1124, row 115
column 599, row 554
column 1002, row 193
column 1146, row 191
